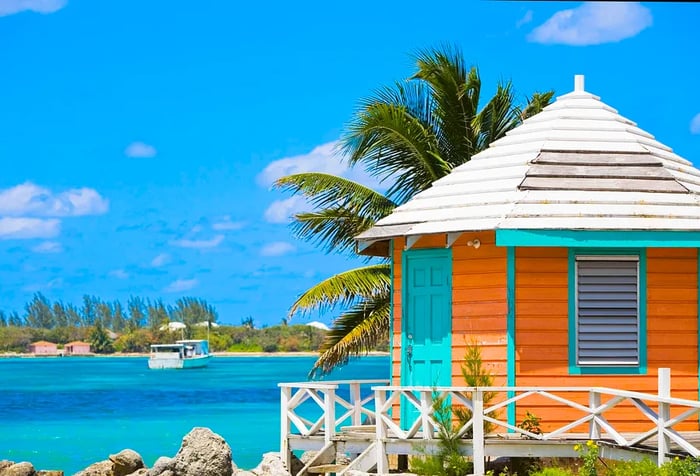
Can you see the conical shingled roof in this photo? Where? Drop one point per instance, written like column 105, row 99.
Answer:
column 577, row 165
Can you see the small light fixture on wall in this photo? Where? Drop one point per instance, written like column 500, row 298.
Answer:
column 475, row 243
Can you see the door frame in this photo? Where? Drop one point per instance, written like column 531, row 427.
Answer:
column 445, row 255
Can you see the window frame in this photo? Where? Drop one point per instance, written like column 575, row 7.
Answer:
column 575, row 368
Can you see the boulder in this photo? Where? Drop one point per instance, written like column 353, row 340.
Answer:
column 5, row 464
column 101, row 468
column 49, row 472
column 271, row 465
column 126, row 462
column 140, row 472
column 18, row 469
column 203, row 453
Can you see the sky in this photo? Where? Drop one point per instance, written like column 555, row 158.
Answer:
column 139, row 139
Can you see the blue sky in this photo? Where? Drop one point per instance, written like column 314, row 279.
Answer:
column 138, row 139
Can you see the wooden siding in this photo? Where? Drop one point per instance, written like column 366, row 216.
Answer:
column 479, row 304
column 542, row 328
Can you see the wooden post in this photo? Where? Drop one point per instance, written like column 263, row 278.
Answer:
column 664, row 411
column 381, row 431
column 594, row 427
column 285, row 426
column 426, row 408
column 329, row 414
column 356, row 401
column 478, row 433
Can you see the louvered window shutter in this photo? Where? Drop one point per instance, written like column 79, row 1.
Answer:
column 607, row 310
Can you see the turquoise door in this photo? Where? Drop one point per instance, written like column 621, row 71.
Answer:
column 426, row 322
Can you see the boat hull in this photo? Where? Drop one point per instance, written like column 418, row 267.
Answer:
column 170, row 363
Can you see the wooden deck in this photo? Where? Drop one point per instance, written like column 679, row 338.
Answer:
column 355, row 419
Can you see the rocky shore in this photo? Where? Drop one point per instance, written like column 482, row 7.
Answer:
column 202, row 453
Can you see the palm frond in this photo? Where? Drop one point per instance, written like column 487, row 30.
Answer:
column 345, row 289
column 536, row 103
column 393, row 137
column 354, row 333
column 344, row 209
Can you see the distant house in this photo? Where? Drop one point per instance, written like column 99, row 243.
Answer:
column 43, row 348
column 77, row 348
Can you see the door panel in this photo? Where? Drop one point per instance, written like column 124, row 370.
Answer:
column 427, row 322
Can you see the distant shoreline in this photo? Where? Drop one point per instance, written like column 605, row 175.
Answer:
column 214, row 354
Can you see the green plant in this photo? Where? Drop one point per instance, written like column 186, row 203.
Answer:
column 531, row 423
column 589, row 454
column 448, row 460
column 553, row 472
column 681, row 467
column 475, row 374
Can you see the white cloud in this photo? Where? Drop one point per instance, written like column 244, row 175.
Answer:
column 160, row 260
column 226, row 224
column 119, row 274
column 180, row 285
column 527, row 18
column 593, row 23
column 188, row 243
column 140, row 150
column 695, row 124
column 25, row 228
column 322, row 159
column 10, row 7
column 48, row 247
column 281, row 211
column 277, row 248
column 52, row 284
column 33, row 200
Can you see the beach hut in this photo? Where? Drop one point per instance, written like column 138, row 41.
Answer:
column 77, row 348
column 43, row 348
column 568, row 250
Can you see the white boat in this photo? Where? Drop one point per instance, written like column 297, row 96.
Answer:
column 183, row 354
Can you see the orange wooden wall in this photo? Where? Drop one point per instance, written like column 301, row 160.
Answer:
column 542, row 329
column 479, row 311
column 479, row 306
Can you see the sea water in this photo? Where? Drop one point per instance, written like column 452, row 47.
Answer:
column 66, row 413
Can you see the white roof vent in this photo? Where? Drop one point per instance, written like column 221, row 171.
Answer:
column 578, row 83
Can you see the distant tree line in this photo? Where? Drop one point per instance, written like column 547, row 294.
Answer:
column 139, row 313
column 112, row 327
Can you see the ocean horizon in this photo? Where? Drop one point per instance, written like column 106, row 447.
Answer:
column 67, row 413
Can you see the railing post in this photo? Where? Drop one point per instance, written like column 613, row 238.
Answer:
column 426, row 408
column 381, row 432
column 285, row 426
column 329, row 414
column 478, row 432
column 594, row 427
column 664, row 411
column 356, row 401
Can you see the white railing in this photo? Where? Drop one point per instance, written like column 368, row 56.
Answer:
column 320, row 416
column 662, row 414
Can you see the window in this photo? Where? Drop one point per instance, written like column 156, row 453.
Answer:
column 608, row 313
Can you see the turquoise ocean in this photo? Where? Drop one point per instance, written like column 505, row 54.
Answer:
column 66, row 413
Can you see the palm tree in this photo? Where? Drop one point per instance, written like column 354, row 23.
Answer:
column 408, row 136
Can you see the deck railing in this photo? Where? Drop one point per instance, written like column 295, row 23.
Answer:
column 328, row 409
column 419, row 422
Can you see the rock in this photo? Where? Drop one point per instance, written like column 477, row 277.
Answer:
column 271, row 465
column 18, row 469
column 243, row 472
column 161, row 465
column 140, row 472
column 126, row 462
column 48, row 472
column 307, row 456
column 203, row 453
column 101, row 468
column 5, row 464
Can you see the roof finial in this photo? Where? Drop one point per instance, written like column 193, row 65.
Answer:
column 578, row 82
